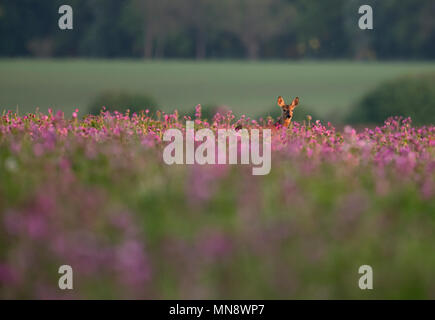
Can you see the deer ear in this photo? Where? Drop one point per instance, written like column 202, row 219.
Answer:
column 295, row 102
column 281, row 102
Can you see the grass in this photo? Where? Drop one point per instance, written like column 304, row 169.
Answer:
column 246, row 87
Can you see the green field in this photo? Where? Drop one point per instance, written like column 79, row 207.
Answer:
column 246, row 87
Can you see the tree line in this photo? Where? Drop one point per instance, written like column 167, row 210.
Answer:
column 271, row 29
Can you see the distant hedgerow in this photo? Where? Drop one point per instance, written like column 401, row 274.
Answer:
column 122, row 101
column 411, row 96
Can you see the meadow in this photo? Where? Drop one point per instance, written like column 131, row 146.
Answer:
column 329, row 88
column 94, row 193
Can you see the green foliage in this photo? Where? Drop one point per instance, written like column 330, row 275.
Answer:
column 411, row 96
column 207, row 28
column 207, row 111
column 122, row 101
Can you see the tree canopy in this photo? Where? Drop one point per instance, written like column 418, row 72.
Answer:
column 285, row 29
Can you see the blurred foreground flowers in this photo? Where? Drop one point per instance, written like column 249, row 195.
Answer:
column 95, row 194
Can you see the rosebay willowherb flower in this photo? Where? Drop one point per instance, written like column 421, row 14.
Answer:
column 94, row 193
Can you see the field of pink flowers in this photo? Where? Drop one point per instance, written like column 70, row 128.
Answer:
column 95, row 194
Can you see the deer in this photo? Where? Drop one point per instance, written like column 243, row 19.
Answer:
column 287, row 111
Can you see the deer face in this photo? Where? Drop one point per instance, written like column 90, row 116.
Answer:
column 287, row 109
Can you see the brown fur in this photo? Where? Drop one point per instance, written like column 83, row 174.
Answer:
column 287, row 110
